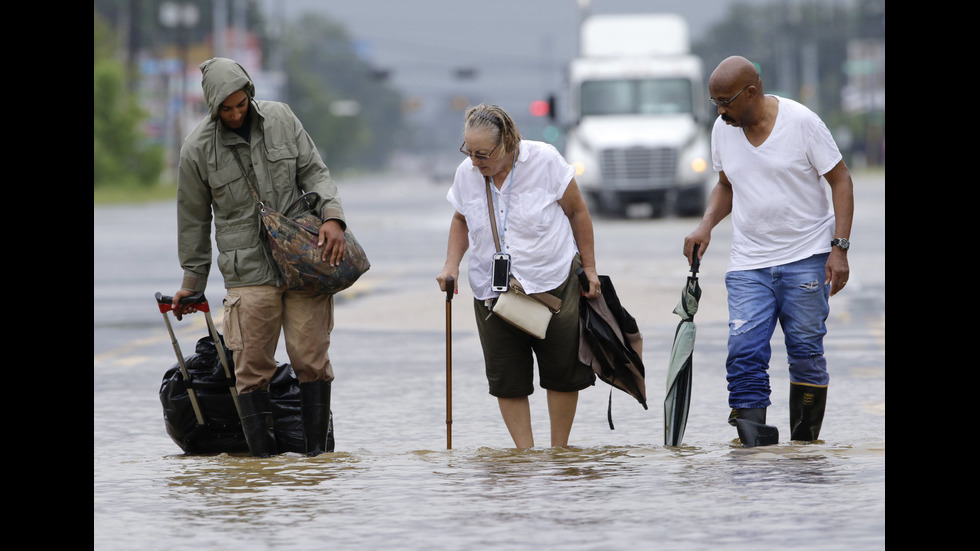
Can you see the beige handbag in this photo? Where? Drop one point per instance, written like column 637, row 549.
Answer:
column 529, row 313
column 524, row 311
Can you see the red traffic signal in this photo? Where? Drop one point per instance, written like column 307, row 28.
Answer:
column 539, row 108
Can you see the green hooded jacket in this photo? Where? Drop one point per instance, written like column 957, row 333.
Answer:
column 282, row 163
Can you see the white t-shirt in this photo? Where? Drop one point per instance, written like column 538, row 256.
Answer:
column 533, row 227
column 781, row 212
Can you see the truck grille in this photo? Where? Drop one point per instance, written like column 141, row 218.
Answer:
column 638, row 167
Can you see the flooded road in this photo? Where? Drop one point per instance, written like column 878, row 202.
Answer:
column 391, row 484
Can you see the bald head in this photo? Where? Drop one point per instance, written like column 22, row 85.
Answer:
column 736, row 78
column 733, row 73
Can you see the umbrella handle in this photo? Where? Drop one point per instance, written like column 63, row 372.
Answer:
column 583, row 281
column 695, row 261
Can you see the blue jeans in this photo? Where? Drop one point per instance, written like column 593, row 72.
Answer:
column 796, row 296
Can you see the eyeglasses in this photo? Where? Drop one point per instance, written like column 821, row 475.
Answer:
column 724, row 103
column 468, row 153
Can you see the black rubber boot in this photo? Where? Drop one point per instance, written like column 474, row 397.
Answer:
column 314, row 399
column 752, row 428
column 806, row 406
column 256, row 415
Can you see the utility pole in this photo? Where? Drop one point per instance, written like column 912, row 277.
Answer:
column 181, row 16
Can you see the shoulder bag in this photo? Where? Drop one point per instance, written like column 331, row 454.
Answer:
column 530, row 313
column 293, row 238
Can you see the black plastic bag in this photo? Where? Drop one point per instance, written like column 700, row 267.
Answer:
column 222, row 429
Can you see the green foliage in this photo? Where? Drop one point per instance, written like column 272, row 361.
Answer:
column 801, row 49
column 106, row 195
column 121, row 155
column 777, row 35
column 322, row 68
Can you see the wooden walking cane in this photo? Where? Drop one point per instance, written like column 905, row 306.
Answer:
column 450, row 288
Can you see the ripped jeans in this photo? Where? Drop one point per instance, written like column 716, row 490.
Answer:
column 796, row 296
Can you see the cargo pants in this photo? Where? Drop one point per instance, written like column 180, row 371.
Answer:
column 253, row 319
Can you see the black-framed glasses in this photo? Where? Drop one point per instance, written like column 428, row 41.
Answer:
column 468, row 153
column 725, row 103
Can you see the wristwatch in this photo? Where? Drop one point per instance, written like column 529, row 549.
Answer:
column 841, row 242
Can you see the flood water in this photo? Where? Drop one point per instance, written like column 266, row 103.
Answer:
column 392, row 484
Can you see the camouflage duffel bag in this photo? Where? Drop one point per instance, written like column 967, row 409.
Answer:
column 294, row 247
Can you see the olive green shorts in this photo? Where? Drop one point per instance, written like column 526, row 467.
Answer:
column 509, row 353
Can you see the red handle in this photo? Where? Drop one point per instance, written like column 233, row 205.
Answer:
column 166, row 303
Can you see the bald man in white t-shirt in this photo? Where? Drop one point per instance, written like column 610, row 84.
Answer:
column 789, row 245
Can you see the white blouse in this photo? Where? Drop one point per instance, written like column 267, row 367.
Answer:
column 533, row 228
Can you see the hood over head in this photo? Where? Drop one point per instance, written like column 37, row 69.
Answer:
column 222, row 78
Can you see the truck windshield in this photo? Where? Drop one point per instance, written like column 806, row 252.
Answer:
column 636, row 96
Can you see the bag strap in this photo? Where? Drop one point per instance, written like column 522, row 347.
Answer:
column 251, row 188
column 493, row 219
column 310, row 197
column 551, row 301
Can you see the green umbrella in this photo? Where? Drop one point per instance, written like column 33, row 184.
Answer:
column 679, row 375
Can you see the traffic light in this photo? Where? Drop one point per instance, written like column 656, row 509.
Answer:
column 546, row 108
column 540, row 108
column 543, row 107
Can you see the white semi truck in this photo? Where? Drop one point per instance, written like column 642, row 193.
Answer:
column 637, row 131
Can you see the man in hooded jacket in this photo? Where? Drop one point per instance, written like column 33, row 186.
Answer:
column 268, row 141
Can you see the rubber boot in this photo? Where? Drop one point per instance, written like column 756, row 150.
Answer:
column 752, row 428
column 314, row 400
column 806, row 407
column 256, row 415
